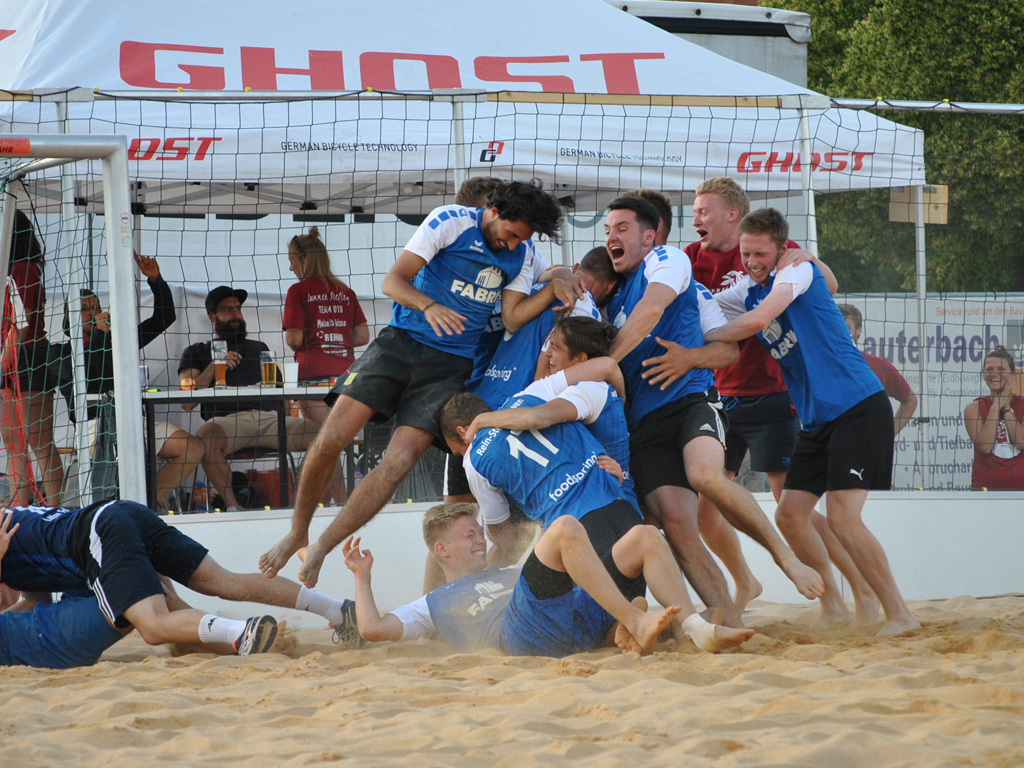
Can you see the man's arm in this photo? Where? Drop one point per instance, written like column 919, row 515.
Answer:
column 397, row 285
column 599, row 369
column 163, row 316
column 679, row 360
column 905, row 412
column 749, row 323
column 372, row 626
column 507, row 543
column 517, row 309
column 6, row 534
column 555, row 411
column 642, row 319
column 791, row 256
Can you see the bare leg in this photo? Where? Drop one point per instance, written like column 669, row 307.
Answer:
column 16, row 444
column 844, row 517
column 40, row 436
column 705, row 468
column 722, row 539
column 644, row 550
column 407, row 445
column 566, row 547
column 183, row 453
column 218, row 473
column 345, row 420
column 316, row 413
column 793, row 517
column 864, row 599
column 675, row 510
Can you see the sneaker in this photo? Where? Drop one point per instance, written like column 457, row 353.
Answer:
column 346, row 631
column 258, row 636
column 167, row 504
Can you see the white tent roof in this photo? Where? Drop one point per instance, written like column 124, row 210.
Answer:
column 351, row 150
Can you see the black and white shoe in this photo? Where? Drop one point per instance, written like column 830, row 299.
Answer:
column 258, row 636
column 346, row 631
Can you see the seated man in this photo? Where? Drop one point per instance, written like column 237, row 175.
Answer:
column 235, row 425
column 119, row 550
column 561, row 602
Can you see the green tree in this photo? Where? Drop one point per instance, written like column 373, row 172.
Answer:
column 910, row 50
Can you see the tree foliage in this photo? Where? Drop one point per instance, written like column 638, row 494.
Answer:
column 909, row 50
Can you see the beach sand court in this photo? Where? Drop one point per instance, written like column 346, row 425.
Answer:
column 949, row 694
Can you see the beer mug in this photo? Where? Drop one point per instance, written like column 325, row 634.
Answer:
column 219, row 349
column 268, row 368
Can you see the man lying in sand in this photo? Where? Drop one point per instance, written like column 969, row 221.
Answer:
column 119, row 549
column 562, row 601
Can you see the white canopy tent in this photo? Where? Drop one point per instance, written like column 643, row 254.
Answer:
column 250, row 108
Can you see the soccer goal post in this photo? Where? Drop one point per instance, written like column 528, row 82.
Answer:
column 40, row 153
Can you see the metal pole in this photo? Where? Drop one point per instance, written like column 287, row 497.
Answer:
column 806, row 180
column 921, row 268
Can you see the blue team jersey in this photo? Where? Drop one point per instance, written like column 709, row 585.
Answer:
column 549, row 473
column 461, row 273
column 825, row 373
column 71, row 633
column 467, row 612
column 39, row 557
column 680, row 322
column 514, row 364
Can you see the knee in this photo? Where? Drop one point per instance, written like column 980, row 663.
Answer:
column 194, row 450
column 787, row 520
column 644, row 538
column 567, row 528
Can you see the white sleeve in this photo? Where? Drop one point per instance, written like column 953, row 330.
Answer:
column 711, row 315
column 669, row 266
column 441, row 228
column 589, row 398
column 799, row 276
column 524, row 281
column 493, row 504
column 732, row 301
column 548, row 388
column 415, row 618
column 540, row 264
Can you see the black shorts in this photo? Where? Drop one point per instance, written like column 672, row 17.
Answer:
column 122, row 546
column 656, row 446
column 39, row 367
column 765, row 425
column 604, row 527
column 401, row 377
column 455, row 481
column 852, row 451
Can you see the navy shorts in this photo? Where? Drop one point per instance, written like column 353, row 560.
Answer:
column 122, row 546
column 401, row 377
column 656, row 446
column 852, row 451
column 765, row 425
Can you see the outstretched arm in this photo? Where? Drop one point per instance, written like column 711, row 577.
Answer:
column 642, row 319
column 372, row 626
column 679, row 360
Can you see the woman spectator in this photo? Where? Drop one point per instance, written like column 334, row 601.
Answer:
column 994, row 424
column 322, row 322
column 30, row 373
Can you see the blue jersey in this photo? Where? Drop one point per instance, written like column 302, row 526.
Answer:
column 467, row 612
column 825, row 372
column 606, row 420
column 461, row 273
column 39, row 558
column 680, row 322
column 514, row 364
column 549, row 472
column 71, row 633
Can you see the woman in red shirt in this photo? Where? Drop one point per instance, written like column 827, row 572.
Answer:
column 995, row 424
column 29, row 374
column 322, row 322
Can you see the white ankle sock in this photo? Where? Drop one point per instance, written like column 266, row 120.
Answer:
column 319, row 603
column 217, row 629
column 701, row 632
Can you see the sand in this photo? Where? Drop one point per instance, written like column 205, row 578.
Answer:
column 949, row 694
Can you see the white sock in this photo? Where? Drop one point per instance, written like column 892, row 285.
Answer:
column 217, row 629
column 319, row 603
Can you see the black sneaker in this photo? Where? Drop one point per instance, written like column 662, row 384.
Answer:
column 258, row 636
column 346, row 631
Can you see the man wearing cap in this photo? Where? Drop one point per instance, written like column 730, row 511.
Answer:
column 233, row 425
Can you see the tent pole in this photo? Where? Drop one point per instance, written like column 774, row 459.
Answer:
column 807, row 182
column 921, row 268
column 459, row 143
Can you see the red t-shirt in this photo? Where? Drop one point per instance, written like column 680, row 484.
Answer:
column 326, row 315
column 755, row 373
column 991, row 471
column 893, row 383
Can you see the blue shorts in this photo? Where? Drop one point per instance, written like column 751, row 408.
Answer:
column 765, row 425
column 71, row 633
column 559, row 626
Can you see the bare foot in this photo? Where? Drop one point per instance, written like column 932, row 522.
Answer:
column 807, row 580
column 866, row 608
column 623, row 639
column 745, row 593
column 899, row 626
column 312, row 560
column 648, row 626
column 727, row 637
column 275, row 558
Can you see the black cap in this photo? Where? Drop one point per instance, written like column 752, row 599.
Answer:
column 221, row 292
